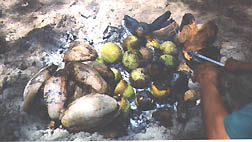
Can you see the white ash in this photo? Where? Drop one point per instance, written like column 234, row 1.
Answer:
column 153, row 132
column 140, row 121
column 124, row 73
column 54, row 58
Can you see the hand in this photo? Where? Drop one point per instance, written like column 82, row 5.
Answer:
column 206, row 72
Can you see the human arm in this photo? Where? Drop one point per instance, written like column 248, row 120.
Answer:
column 235, row 65
column 212, row 107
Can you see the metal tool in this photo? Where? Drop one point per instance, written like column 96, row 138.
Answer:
column 196, row 54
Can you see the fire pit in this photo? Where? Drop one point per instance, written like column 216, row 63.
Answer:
column 38, row 34
column 162, row 92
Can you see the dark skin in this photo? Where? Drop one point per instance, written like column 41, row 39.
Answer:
column 212, row 107
column 233, row 65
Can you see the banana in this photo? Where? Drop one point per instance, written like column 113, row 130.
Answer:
column 55, row 94
column 87, row 75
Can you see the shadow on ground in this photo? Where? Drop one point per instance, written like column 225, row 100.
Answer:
column 27, row 6
column 20, row 63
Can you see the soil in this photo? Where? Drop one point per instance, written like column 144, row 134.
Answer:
column 32, row 31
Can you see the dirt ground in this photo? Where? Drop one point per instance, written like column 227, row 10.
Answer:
column 32, row 31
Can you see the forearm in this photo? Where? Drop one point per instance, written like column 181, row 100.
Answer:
column 235, row 65
column 213, row 110
column 245, row 67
